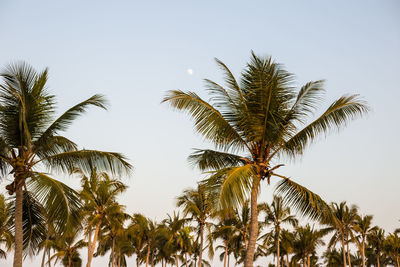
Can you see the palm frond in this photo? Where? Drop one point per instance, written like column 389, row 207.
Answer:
column 213, row 160
column 303, row 200
column 230, row 187
column 209, row 122
column 66, row 119
column 87, row 160
column 62, row 203
column 338, row 114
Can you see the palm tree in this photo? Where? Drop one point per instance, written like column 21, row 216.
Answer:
column 30, row 142
column 341, row 224
column 392, row 247
column 6, row 236
column 277, row 215
column 306, row 243
column 67, row 248
column 253, row 122
column 362, row 226
column 99, row 194
column 225, row 230
column 112, row 232
column 376, row 239
column 196, row 203
column 145, row 230
column 174, row 226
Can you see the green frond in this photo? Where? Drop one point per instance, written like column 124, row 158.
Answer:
column 67, row 118
column 230, row 187
column 62, row 203
column 213, row 160
column 338, row 114
column 303, row 200
column 209, row 122
column 87, row 160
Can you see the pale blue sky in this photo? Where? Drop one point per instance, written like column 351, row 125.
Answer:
column 134, row 51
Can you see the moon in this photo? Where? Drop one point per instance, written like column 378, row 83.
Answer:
column 190, row 71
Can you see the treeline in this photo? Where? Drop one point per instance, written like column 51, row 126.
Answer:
column 194, row 232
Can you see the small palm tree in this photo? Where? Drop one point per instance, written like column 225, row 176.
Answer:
column 278, row 214
column 99, row 194
column 254, row 121
column 30, row 142
column 392, row 247
column 306, row 243
column 145, row 230
column 363, row 226
column 341, row 224
column 376, row 239
column 174, row 226
column 197, row 204
column 67, row 248
column 6, row 236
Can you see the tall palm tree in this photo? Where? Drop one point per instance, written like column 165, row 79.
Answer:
column 197, row 204
column 341, row 224
column 376, row 239
column 254, row 121
column 363, row 226
column 30, row 142
column 6, row 236
column 278, row 214
column 99, row 192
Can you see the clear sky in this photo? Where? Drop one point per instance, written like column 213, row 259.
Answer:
column 134, row 51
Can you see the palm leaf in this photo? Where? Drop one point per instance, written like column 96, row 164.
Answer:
column 87, row 160
column 337, row 115
column 303, row 200
column 66, row 119
column 213, row 160
column 230, row 187
column 62, row 203
column 209, row 122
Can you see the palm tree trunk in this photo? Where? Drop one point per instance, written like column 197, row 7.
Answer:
column 304, row 262
column 176, row 260
column 225, row 255
column 148, row 255
column 348, row 254
column 113, row 252
column 363, row 253
column 69, row 260
column 253, row 224
column 378, row 263
column 201, row 244
column 344, row 252
column 287, row 259
column 277, row 250
column 308, row 261
column 228, row 259
column 96, row 234
column 18, row 227
column 186, row 262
